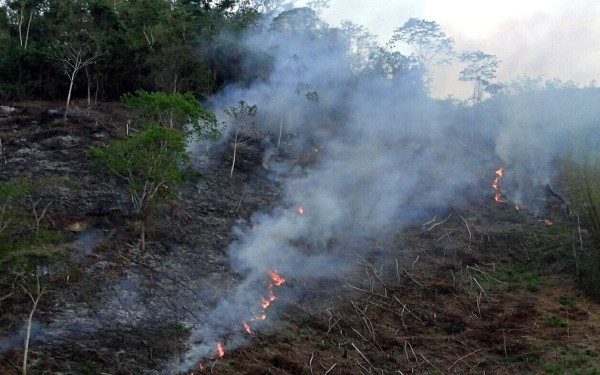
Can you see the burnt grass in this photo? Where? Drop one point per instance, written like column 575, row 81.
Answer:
column 474, row 287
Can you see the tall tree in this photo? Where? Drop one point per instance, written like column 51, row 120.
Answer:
column 149, row 162
column 481, row 70
column 430, row 45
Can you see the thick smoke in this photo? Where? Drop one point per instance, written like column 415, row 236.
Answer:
column 385, row 155
column 538, row 127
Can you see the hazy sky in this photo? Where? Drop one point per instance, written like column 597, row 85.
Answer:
column 553, row 38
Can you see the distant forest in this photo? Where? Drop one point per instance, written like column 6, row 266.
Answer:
column 119, row 46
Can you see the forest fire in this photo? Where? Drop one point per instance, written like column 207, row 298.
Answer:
column 496, row 184
column 275, row 280
column 220, row 350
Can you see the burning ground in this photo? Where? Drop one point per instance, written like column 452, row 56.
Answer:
column 462, row 285
column 364, row 228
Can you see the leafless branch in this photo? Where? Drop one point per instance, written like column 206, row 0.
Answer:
column 441, row 222
column 331, row 368
column 39, row 291
column 468, row 229
column 463, row 357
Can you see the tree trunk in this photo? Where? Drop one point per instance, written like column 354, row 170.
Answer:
column 280, row 131
column 143, row 234
column 69, row 96
column 28, row 27
column 235, row 144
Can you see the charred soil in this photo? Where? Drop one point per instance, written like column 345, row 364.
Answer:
column 476, row 287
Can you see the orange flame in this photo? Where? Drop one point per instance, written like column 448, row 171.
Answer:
column 220, row 350
column 496, row 184
column 548, row 222
column 300, row 210
column 278, row 280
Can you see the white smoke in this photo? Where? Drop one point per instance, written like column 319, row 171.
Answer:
column 385, row 155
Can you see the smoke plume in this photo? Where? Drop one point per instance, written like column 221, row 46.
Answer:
column 384, row 155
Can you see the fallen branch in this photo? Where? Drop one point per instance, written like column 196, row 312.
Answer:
column 331, row 368
column 467, row 225
column 463, row 357
column 441, row 222
column 429, row 222
column 407, row 309
column 412, row 278
column 362, row 355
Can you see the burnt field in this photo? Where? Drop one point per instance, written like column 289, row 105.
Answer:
column 460, row 283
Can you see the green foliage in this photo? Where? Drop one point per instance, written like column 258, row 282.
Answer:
column 553, row 321
column 481, row 70
column 172, row 111
column 567, row 301
column 582, row 174
column 573, row 360
column 150, row 157
column 19, row 237
column 429, row 42
column 149, row 162
column 10, row 194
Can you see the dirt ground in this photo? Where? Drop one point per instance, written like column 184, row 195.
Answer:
column 477, row 287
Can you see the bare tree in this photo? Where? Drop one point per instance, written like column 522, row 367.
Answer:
column 35, row 296
column 75, row 54
column 241, row 120
column 22, row 13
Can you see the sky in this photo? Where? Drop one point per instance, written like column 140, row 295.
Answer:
column 552, row 38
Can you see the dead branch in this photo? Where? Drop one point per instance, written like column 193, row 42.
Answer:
column 312, row 356
column 407, row 309
column 331, row 368
column 446, row 235
column 362, row 355
column 441, row 222
column 468, row 229
column 34, row 209
column 429, row 222
column 413, row 263
column 6, row 296
column 365, row 291
column 367, row 322
column 381, row 281
column 480, row 287
column 463, row 357
column 406, row 343
column 412, row 278
column 39, row 291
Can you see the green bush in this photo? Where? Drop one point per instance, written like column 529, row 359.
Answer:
column 179, row 111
